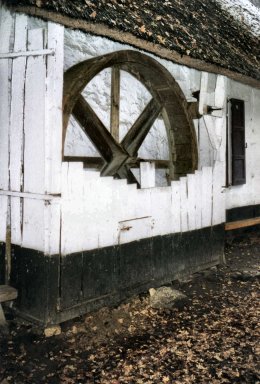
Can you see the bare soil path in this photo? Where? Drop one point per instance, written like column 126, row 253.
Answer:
column 214, row 339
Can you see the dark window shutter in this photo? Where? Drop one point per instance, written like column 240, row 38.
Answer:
column 238, row 142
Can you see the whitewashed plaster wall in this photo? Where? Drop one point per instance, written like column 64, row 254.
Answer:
column 134, row 97
column 211, row 133
column 249, row 193
column 210, row 130
column 81, row 46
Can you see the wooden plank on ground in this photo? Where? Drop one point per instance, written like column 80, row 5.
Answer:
column 242, row 223
column 7, row 293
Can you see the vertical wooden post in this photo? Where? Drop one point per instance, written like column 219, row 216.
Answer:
column 115, row 102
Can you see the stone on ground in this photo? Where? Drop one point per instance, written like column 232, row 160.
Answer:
column 167, row 298
column 54, row 330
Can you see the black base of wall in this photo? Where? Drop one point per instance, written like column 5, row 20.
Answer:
column 2, row 263
column 53, row 289
column 240, row 213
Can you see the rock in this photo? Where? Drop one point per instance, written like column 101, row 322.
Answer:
column 167, row 298
column 245, row 275
column 55, row 330
column 4, row 331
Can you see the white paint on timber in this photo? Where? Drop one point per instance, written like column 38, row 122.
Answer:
column 206, row 181
column 176, row 207
column 53, row 122
column 92, row 211
column 17, row 106
column 191, row 180
column 34, row 119
column 199, row 203
column 94, row 208
column 147, row 172
column 35, row 129
column 215, row 140
column 3, row 216
column 129, row 229
column 220, row 96
column 203, row 92
column 6, row 22
column 16, row 224
column 218, row 196
column 52, row 219
column 184, row 205
column 206, row 151
column 36, row 196
column 249, row 193
column 13, row 55
column 33, row 224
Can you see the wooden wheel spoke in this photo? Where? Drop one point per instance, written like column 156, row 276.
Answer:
column 136, row 135
column 113, row 154
column 115, row 102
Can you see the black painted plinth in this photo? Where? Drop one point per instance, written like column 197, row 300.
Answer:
column 52, row 289
column 2, row 263
column 243, row 213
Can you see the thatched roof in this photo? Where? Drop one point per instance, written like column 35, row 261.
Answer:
column 195, row 29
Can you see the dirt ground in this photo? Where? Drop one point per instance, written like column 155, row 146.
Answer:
column 213, row 339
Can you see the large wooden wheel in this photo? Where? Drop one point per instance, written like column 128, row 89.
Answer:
column 167, row 100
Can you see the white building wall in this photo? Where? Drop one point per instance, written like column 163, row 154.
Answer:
column 91, row 218
column 81, row 46
column 210, row 130
column 249, row 193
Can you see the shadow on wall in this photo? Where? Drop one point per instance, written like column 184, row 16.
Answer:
column 256, row 3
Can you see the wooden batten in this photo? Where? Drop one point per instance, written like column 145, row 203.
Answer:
column 242, row 223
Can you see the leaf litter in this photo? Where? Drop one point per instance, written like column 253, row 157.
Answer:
column 213, row 339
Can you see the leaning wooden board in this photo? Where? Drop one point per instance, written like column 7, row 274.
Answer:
column 242, row 223
column 7, row 293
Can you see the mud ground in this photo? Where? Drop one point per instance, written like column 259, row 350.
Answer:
column 213, row 339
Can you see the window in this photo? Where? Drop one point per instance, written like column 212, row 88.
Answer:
column 236, row 143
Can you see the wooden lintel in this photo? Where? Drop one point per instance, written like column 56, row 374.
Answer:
column 242, row 223
column 97, row 162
